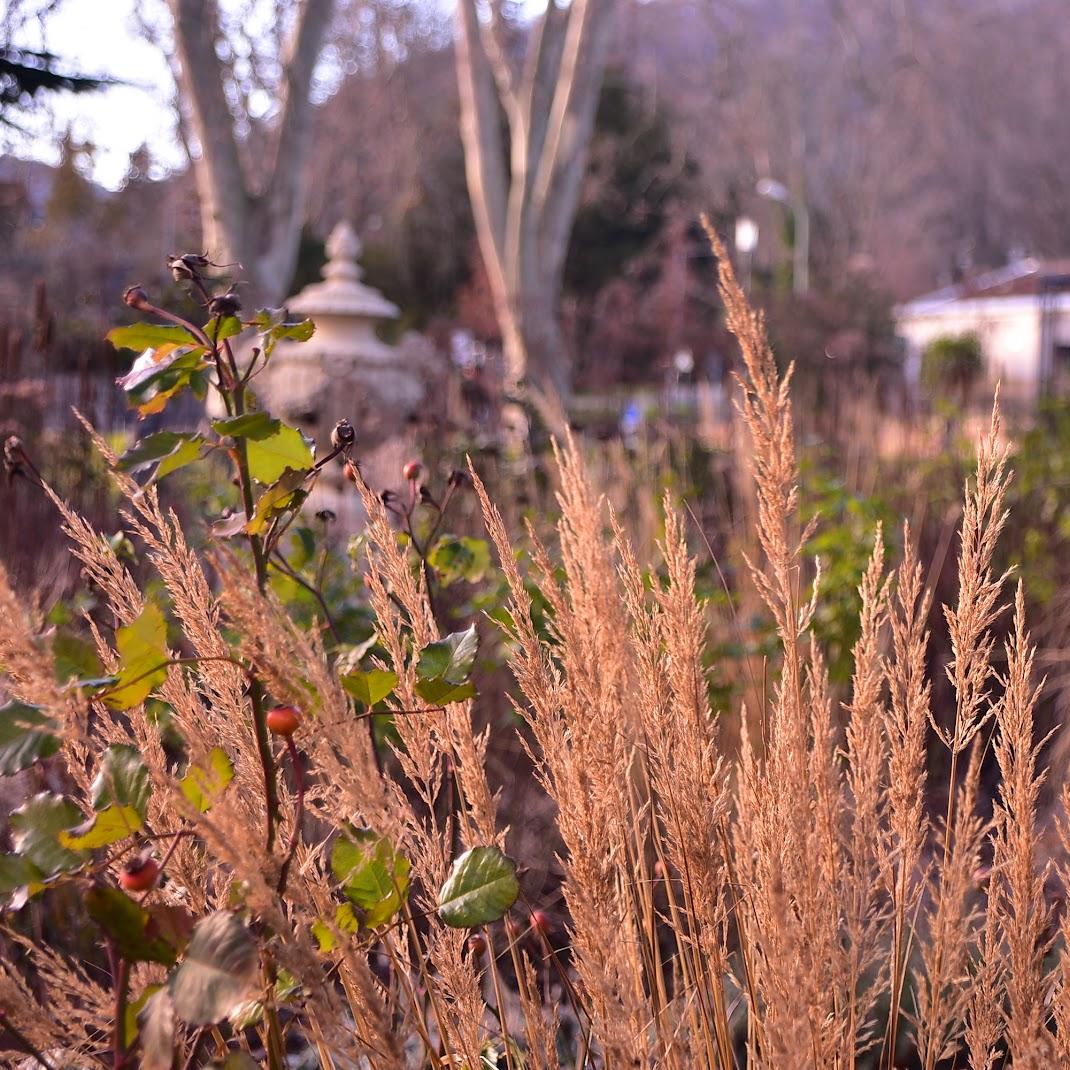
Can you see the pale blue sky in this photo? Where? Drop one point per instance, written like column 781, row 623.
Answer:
column 100, row 37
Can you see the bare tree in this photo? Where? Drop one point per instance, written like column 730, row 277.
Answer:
column 252, row 195
column 524, row 195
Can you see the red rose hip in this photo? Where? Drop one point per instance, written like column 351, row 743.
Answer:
column 283, row 720
column 139, row 874
column 412, row 471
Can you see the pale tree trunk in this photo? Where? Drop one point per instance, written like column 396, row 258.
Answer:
column 252, row 219
column 524, row 200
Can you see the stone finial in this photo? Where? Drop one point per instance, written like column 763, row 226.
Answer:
column 343, row 248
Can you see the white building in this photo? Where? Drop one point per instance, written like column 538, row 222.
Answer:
column 1020, row 313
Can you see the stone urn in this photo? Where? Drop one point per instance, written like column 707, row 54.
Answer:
column 343, row 371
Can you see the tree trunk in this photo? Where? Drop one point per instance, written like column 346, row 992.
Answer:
column 250, row 220
column 524, row 200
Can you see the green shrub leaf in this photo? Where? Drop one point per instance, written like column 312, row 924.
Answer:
column 202, row 786
column 455, row 558
column 128, row 925
column 481, row 887
column 142, row 647
column 270, row 455
column 122, row 779
column 164, row 452
column 450, row 659
column 139, row 336
column 36, row 828
column 110, row 825
column 370, row 687
column 217, row 971
column 284, row 495
column 374, row 876
column 25, row 737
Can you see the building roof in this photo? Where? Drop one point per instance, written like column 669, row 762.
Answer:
column 1026, row 278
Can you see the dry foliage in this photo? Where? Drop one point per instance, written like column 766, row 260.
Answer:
column 789, row 905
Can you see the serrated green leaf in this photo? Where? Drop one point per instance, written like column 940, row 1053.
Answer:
column 373, row 875
column 142, row 647
column 108, row 826
column 36, row 827
column 481, row 887
column 217, row 971
column 164, row 452
column 123, row 779
column 128, row 925
column 25, row 737
column 275, row 324
column 450, row 659
column 272, row 455
column 140, row 336
column 370, row 687
column 202, row 786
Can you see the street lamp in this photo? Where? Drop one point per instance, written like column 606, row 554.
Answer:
column 746, row 243
column 773, row 190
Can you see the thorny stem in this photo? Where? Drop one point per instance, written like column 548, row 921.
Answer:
column 121, row 974
column 299, row 808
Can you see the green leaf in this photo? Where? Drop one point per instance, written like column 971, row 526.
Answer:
column 217, row 972
column 157, row 1032
column 219, row 328
column 142, row 647
column 122, row 779
column 132, row 1012
column 203, row 786
column 128, row 925
column 456, row 558
column 450, row 659
column 158, row 375
column 36, row 827
column 110, row 825
column 248, row 425
column 440, row 692
column 139, row 336
column 165, row 452
column 481, row 887
column 25, row 737
column 345, row 920
column 272, row 455
column 17, row 871
column 284, row 495
column 74, row 657
column 370, row 687
column 374, row 876
column 274, row 324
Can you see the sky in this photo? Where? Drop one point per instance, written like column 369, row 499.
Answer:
column 101, row 37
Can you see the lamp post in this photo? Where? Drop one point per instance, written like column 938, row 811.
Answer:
column 773, row 190
column 746, row 238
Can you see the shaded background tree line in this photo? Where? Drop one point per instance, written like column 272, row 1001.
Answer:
column 925, row 140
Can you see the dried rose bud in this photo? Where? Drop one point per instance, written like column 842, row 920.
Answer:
column 135, row 297
column 343, row 436
column 226, row 304
column 456, row 478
